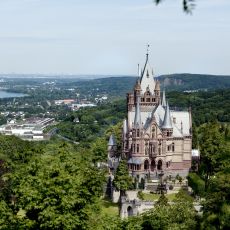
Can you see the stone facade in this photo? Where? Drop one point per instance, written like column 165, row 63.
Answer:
column 155, row 138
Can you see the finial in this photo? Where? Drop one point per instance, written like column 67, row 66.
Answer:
column 147, row 54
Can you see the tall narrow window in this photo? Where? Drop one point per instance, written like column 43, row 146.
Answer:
column 146, row 165
column 146, row 148
column 138, row 132
column 137, row 148
column 134, row 149
column 159, row 151
column 173, row 147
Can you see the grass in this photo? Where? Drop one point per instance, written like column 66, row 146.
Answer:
column 154, row 197
column 109, row 208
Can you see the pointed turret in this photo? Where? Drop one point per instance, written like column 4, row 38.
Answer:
column 163, row 101
column 137, row 118
column 147, row 76
column 157, row 89
column 112, row 141
column 167, row 123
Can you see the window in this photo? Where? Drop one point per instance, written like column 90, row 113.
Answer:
column 146, row 148
column 134, row 149
column 138, row 132
column 146, row 165
column 169, row 148
column 159, row 165
column 147, row 99
column 137, row 148
column 173, row 147
column 159, row 151
column 153, row 132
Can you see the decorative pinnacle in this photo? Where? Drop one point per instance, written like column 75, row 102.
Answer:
column 147, row 53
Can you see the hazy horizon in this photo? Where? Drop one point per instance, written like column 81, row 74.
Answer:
column 104, row 37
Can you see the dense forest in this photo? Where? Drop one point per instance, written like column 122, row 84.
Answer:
column 58, row 185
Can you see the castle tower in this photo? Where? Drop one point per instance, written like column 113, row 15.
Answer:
column 113, row 158
column 151, row 141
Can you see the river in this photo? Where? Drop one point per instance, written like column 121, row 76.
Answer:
column 4, row 94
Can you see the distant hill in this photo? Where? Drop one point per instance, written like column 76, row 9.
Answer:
column 119, row 86
column 187, row 81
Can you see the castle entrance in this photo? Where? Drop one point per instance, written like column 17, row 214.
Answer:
column 130, row 211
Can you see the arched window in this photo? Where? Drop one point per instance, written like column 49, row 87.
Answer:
column 159, row 165
column 146, row 165
column 138, row 132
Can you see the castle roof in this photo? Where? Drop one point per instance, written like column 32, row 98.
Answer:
column 112, row 140
column 163, row 101
column 167, row 123
column 137, row 118
column 147, row 77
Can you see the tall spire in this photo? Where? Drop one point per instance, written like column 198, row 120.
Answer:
column 147, row 75
column 137, row 118
column 167, row 123
column 163, row 101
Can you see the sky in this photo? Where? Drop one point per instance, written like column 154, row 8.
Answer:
column 111, row 36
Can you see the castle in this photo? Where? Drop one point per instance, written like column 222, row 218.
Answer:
column 155, row 138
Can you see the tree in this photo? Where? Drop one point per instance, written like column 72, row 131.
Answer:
column 122, row 181
column 54, row 191
column 212, row 149
column 99, row 150
column 217, row 203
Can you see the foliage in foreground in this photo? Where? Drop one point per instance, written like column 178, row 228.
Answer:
column 57, row 190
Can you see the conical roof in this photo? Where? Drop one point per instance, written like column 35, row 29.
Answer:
column 167, row 123
column 138, row 85
column 137, row 118
column 163, row 101
column 112, row 140
column 157, row 86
